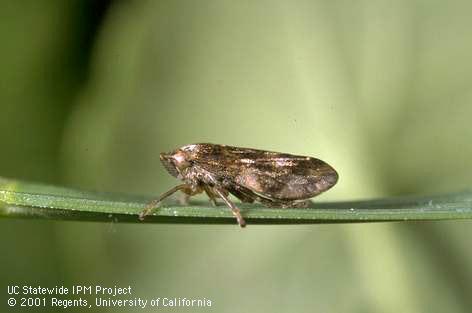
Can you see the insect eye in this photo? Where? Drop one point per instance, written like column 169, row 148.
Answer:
column 180, row 161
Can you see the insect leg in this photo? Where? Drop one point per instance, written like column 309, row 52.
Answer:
column 274, row 203
column 153, row 204
column 298, row 204
column 210, row 195
column 183, row 199
column 234, row 208
column 243, row 194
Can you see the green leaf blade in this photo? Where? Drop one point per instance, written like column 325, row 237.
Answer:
column 29, row 200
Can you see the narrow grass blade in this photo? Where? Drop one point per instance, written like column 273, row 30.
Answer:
column 30, row 200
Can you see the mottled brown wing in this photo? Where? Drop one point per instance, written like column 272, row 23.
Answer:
column 272, row 175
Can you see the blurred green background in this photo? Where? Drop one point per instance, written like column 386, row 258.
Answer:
column 91, row 92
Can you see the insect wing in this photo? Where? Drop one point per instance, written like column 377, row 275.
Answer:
column 270, row 174
column 287, row 178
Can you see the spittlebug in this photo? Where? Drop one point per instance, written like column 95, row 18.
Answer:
column 271, row 178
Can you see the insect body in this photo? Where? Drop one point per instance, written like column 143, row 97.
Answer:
column 271, row 178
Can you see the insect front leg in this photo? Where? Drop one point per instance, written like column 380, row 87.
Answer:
column 236, row 212
column 187, row 189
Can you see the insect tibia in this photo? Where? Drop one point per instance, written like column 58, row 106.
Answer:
column 236, row 212
column 285, row 204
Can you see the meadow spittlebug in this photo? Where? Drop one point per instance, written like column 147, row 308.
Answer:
column 271, row 178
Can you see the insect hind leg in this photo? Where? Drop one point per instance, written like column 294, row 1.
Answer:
column 284, row 204
column 236, row 212
column 210, row 195
column 243, row 195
